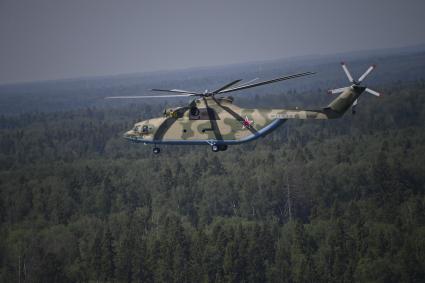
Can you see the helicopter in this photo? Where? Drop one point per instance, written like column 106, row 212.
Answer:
column 214, row 120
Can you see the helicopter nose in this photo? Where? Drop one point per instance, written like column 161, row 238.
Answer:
column 129, row 135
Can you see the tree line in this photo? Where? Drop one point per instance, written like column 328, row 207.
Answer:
column 333, row 201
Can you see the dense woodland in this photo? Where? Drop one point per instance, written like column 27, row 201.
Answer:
column 331, row 201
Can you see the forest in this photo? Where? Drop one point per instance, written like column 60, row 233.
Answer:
column 315, row 201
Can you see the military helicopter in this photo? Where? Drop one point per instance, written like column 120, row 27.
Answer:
column 212, row 119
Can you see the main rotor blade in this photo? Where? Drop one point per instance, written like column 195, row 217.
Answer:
column 366, row 73
column 148, row 96
column 372, row 92
column 176, row 91
column 248, row 82
column 266, row 82
column 350, row 78
column 226, row 86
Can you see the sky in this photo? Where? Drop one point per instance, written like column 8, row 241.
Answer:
column 55, row 39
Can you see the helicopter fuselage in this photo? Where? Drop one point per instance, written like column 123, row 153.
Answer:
column 217, row 121
column 210, row 119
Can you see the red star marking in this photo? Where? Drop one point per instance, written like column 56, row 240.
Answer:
column 247, row 123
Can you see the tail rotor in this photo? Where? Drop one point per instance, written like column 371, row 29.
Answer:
column 355, row 84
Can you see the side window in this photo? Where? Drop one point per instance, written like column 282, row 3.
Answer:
column 194, row 113
column 203, row 114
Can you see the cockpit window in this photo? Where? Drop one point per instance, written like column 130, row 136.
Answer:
column 145, row 129
column 174, row 113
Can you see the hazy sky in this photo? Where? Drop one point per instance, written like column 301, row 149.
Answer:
column 50, row 39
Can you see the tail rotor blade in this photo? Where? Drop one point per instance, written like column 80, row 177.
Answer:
column 344, row 67
column 373, row 92
column 337, row 90
column 367, row 73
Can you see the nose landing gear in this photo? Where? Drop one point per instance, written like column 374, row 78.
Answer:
column 156, row 150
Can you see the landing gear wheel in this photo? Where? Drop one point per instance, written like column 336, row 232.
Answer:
column 222, row 147
column 156, row 150
column 215, row 148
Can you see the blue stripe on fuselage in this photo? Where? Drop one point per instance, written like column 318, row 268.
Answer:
column 261, row 133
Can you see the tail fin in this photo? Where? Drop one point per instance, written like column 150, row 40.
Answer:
column 340, row 105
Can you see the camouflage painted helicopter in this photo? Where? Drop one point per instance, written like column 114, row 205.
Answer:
column 216, row 121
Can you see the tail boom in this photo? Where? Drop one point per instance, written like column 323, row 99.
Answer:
column 334, row 110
